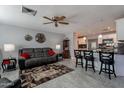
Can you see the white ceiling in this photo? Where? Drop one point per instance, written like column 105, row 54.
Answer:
column 82, row 18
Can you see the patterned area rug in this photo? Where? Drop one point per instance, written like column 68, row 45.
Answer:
column 38, row 75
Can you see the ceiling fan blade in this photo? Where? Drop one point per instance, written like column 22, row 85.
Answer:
column 62, row 17
column 47, row 18
column 48, row 23
column 66, row 23
column 59, row 18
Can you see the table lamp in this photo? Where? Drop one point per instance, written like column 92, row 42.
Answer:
column 58, row 47
column 9, row 48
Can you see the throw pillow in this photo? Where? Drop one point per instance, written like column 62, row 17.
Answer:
column 25, row 55
column 6, row 61
column 51, row 52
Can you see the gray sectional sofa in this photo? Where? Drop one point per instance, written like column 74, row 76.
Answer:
column 38, row 57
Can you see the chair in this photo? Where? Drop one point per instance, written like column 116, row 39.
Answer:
column 89, row 57
column 78, row 56
column 107, row 58
column 9, row 64
column 6, row 83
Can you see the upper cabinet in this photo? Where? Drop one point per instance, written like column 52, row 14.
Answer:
column 120, row 29
column 82, row 40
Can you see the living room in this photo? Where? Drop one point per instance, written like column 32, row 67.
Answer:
column 54, row 49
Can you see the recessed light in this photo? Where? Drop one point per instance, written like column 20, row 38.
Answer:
column 84, row 38
column 111, row 29
column 108, row 27
column 100, row 36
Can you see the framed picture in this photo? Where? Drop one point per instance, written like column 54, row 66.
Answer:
column 28, row 37
column 40, row 38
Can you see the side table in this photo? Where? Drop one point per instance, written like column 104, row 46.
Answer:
column 9, row 64
column 60, row 56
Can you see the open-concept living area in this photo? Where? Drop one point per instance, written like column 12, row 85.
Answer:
column 61, row 46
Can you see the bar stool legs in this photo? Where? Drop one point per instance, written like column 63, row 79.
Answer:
column 114, row 70
column 100, row 68
column 93, row 66
column 108, row 70
column 86, row 65
column 82, row 63
column 105, row 68
column 78, row 62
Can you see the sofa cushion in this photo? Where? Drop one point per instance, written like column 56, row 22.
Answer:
column 25, row 55
column 45, row 51
column 51, row 58
column 35, row 61
column 38, row 52
column 38, row 49
column 30, row 51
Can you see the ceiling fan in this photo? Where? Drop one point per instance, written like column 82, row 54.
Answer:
column 56, row 20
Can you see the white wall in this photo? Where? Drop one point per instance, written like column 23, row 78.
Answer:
column 75, row 40
column 92, row 37
column 120, row 29
column 15, row 35
column 70, row 36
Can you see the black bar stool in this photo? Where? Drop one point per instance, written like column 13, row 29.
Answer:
column 88, row 56
column 107, row 58
column 78, row 56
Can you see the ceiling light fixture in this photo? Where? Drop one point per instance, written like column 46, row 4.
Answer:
column 84, row 38
column 100, row 36
column 108, row 27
